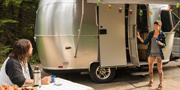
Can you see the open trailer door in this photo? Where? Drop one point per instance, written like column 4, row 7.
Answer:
column 132, row 39
column 112, row 36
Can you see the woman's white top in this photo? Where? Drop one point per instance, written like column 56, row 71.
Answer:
column 12, row 72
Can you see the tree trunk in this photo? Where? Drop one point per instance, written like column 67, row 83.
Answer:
column 20, row 18
column 13, row 18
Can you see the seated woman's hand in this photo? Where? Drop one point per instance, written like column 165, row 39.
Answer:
column 46, row 80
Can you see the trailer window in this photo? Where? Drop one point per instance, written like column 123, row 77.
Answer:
column 166, row 21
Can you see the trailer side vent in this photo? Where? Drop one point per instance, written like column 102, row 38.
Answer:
column 65, row 63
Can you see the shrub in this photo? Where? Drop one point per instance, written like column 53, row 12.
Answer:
column 34, row 59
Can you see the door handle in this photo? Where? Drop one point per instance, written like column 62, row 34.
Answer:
column 134, row 30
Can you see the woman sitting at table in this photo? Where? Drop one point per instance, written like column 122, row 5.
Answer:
column 16, row 69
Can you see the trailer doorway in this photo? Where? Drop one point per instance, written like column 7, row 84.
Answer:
column 141, row 25
column 143, row 29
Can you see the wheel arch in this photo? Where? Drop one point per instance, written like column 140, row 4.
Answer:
column 93, row 62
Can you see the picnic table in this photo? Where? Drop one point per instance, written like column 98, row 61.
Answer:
column 64, row 85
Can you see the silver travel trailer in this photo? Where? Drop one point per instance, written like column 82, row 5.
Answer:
column 78, row 35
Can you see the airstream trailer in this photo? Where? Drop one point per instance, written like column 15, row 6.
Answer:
column 78, row 35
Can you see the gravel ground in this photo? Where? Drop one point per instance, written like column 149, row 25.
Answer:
column 125, row 81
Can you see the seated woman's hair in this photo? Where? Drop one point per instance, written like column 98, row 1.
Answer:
column 20, row 50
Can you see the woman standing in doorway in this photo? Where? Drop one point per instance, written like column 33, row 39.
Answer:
column 156, row 40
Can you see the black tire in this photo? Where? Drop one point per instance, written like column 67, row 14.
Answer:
column 96, row 69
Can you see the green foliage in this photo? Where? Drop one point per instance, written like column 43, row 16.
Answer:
column 4, row 50
column 177, row 12
column 17, row 21
column 0, row 66
column 34, row 59
column 13, row 2
column 2, row 22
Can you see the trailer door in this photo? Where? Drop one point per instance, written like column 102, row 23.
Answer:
column 132, row 39
column 112, row 36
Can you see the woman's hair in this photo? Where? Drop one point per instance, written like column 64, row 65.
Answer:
column 20, row 50
column 158, row 22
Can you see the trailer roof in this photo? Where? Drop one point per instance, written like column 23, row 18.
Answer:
column 137, row 1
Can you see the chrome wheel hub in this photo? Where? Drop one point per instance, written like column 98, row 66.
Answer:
column 103, row 73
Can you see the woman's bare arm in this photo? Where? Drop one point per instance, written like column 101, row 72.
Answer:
column 141, row 39
column 138, row 36
column 30, row 82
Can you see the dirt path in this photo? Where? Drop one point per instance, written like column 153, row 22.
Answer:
column 124, row 81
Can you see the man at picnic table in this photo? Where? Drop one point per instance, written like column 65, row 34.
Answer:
column 16, row 69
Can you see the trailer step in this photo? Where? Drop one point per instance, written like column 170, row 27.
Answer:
column 139, row 73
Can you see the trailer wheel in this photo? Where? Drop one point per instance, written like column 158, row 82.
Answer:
column 101, row 75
